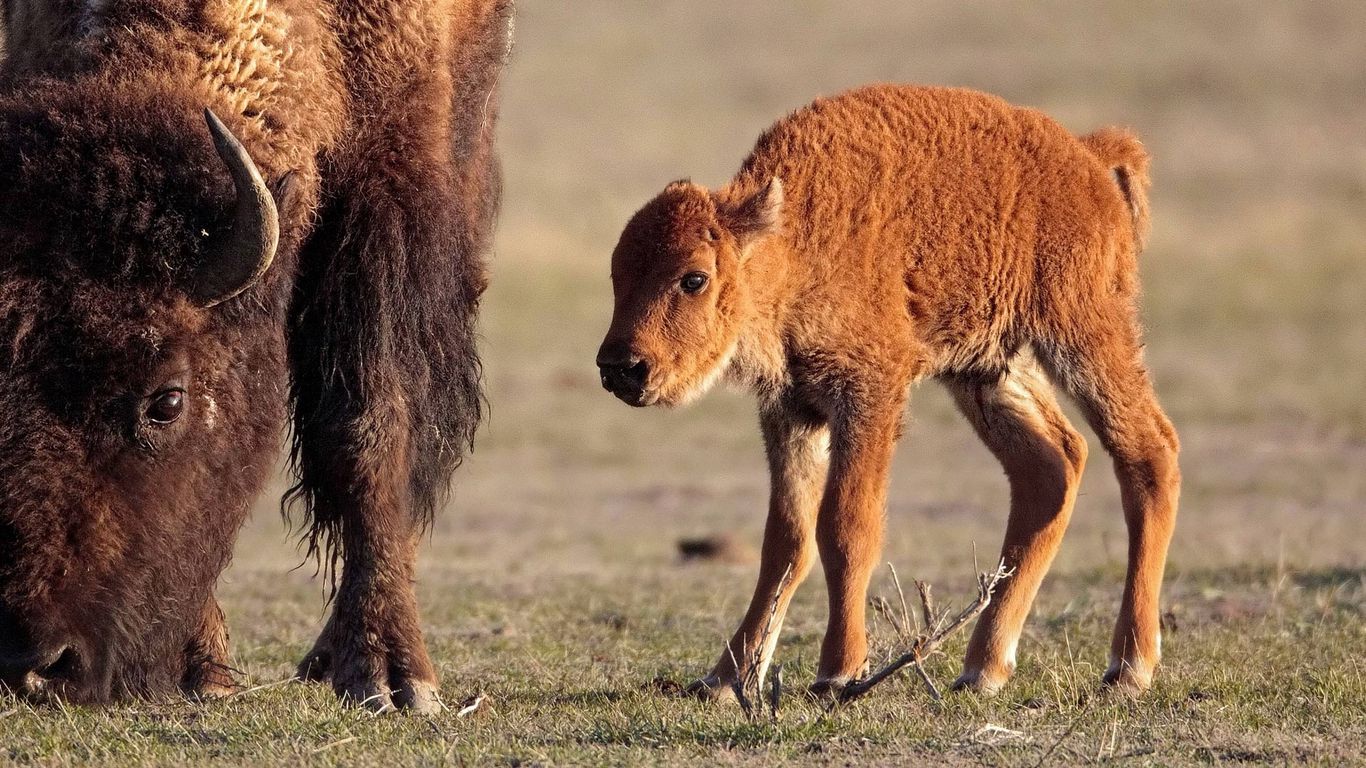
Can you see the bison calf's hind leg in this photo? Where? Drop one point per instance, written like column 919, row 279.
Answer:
column 1104, row 372
column 1043, row 456
column 798, row 461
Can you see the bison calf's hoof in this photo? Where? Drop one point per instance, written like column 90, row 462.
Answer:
column 828, row 690
column 1127, row 679
column 981, row 682
column 711, row 689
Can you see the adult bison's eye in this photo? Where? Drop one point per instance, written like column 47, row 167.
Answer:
column 693, row 282
column 166, row 406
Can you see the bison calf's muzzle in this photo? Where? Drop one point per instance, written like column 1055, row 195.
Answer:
column 623, row 373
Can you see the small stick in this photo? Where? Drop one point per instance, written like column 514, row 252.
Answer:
column 331, row 745
column 736, row 685
column 266, row 686
column 927, row 605
column 934, row 689
column 747, row 679
column 775, row 692
column 883, row 610
column 470, row 706
column 926, row 644
column 905, row 629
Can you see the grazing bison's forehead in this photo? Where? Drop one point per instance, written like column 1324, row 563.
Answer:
column 80, row 344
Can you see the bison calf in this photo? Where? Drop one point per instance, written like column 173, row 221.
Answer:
column 875, row 239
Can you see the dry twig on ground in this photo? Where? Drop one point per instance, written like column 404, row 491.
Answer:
column 935, row 631
column 748, row 676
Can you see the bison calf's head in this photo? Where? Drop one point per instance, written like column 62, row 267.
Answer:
column 137, row 415
column 683, row 294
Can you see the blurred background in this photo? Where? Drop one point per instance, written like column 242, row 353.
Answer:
column 1254, row 284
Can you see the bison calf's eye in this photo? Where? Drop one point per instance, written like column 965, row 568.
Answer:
column 166, row 406
column 693, row 282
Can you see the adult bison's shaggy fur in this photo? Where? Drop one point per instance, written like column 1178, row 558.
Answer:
column 872, row 240
column 168, row 293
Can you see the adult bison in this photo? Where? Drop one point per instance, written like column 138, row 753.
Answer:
column 210, row 213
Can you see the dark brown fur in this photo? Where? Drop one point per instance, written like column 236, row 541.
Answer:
column 112, row 534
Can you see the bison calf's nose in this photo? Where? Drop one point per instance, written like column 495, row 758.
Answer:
column 624, row 376
column 623, row 373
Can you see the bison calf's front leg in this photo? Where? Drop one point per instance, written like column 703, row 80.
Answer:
column 798, row 461
column 849, row 536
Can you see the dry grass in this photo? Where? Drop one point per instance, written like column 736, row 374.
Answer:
column 552, row 583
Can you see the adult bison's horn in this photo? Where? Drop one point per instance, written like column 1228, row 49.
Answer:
column 237, row 260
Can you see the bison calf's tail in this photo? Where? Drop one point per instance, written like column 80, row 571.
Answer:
column 1122, row 152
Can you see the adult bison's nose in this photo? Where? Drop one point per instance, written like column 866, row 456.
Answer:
column 29, row 669
column 623, row 372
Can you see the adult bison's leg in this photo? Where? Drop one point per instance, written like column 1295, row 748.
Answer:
column 317, row 664
column 798, row 461
column 208, row 664
column 1103, row 369
column 386, row 389
column 1019, row 419
column 356, row 474
column 849, row 529
column 386, row 375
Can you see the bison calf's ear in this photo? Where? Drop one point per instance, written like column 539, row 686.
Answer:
column 241, row 256
column 756, row 215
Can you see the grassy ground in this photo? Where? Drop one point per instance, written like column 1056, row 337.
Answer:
column 552, row 584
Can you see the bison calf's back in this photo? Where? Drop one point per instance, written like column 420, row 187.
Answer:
column 869, row 241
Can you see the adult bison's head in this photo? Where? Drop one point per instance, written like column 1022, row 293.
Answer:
column 139, row 407
column 683, row 295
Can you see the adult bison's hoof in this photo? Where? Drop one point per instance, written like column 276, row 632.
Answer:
column 379, row 683
column 711, row 689
column 390, row 694
column 373, row 686
column 211, row 682
column 316, row 666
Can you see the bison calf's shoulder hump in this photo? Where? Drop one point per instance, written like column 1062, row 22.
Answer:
column 213, row 215
column 877, row 238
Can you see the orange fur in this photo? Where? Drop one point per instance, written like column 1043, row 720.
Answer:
column 877, row 238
